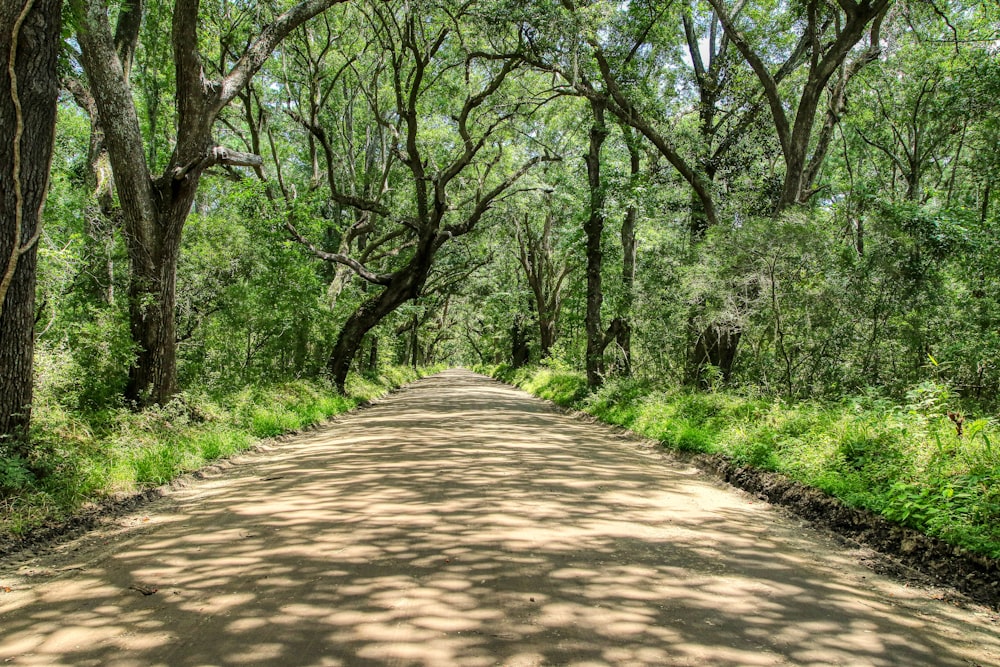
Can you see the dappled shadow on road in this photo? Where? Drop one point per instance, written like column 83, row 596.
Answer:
column 462, row 523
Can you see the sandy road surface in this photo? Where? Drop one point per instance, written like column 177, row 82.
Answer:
column 461, row 522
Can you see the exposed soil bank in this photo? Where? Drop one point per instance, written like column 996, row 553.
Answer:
column 976, row 576
column 900, row 551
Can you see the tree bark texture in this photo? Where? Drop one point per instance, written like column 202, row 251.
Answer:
column 594, row 230
column 27, row 127
column 155, row 210
column 404, row 285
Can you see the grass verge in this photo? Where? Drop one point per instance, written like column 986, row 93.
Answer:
column 907, row 463
column 80, row 460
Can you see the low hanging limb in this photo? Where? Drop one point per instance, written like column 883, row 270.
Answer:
column 338, row 258
column 16, row 248
column 218, row 155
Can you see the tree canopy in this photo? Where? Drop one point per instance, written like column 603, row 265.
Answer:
column 795, row 198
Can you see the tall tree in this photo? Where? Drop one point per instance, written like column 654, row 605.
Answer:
column 598, row 338
column 545, row 273
column 103, row 217
column 832, row 32
column 452, row 189
column 155, row 209
column 29, row 86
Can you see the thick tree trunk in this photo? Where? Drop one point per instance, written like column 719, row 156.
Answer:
column 27, row 120
column 405, row 285
column 349, row 340
column 154, row 211
column 361, row 321
column 547, row 333
column 152, row 302
column 594, row 229
column 716, row 346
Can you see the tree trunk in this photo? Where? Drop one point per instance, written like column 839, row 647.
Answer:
column 594, row 229
column 624, row 336
column 547, row 333
column 27, row 127
column 154, row 210
column 716, row 346
column 404, row 285
column 373, row 355
column 152, row 302
column 544, row 277
column 414, row 340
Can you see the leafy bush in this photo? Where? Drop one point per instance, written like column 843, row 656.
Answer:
column 563, row 388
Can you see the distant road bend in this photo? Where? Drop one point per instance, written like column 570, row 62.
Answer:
column 462, row 522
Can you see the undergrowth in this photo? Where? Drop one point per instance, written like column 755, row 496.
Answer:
column 906, row 462
column 81, row 458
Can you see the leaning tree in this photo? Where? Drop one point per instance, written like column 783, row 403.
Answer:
column 439, row 91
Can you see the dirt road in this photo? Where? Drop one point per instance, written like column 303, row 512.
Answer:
column 461, row 522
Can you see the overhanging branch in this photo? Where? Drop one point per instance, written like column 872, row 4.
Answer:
column 339, row 258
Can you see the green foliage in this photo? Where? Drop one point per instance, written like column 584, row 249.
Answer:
column 558, row 384
column 884, row 287
column 14, row 473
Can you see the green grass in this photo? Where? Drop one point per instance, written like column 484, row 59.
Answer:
column 905, row 462
column 80, row 459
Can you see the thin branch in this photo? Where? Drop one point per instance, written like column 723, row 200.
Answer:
column 484, row 204
column 261, row 49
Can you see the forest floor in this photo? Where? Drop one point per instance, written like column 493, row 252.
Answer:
column 463, row 522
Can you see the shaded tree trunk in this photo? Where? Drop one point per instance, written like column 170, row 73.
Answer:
column 401, row 286
column 154, row 210
column 373, row 354
column 624, row 334
column 414, row 341
column 431, row 197
column 544, row 277
column 27, row 128
column 594, row 229
column 716, row 346
column 520, row 353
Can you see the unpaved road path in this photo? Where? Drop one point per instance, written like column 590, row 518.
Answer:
column 461, row 522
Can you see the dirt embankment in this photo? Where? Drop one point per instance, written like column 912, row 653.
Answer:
column 905, row 553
